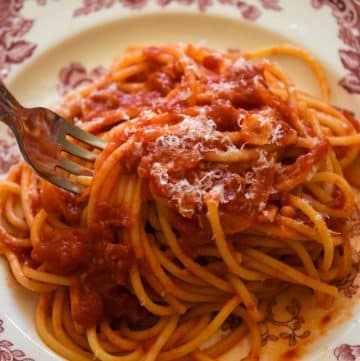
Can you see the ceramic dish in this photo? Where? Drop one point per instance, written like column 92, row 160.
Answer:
column 50, row 46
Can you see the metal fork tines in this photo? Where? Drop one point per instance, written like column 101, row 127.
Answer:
column 68, row 146
column 46, row 139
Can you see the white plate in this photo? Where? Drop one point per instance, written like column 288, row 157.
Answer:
column 47, row 46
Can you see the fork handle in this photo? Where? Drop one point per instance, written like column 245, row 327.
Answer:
column 9, row 107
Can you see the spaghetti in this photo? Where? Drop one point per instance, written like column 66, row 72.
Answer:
column 221, row 185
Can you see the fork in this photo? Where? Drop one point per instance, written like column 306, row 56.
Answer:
column 44, row 137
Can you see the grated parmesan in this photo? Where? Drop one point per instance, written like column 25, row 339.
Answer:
column 241, row 64
column 277, row 134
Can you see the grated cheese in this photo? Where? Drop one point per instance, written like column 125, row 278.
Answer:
column 277, row 134
column 241, row 64
column 223, row 87
column 160, row 173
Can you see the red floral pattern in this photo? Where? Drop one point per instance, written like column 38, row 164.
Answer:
column 14, row 49
column 7, row 351
column 246, row 10
column 349, row 287
column 347, row 14
column 271, row 4
column 347, row 352
column 273, row 329
column 75, row 75
column 289, row 329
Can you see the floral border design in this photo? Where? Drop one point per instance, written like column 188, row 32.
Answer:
column 75, row 75
column 347, row 352
column 347, row 15
column 14, row 49
column 7, row 352
column 272, row 329
column 348, row 286
column 246, row 10
column 290, row 329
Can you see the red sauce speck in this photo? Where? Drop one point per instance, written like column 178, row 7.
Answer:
column 160, row 82
column 212, row 62
column 326, row 319
column 290, row 355
column 86, row 306
column 63, row 250
column 60, row 203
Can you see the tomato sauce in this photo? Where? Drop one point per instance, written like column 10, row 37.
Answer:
column 173, row 160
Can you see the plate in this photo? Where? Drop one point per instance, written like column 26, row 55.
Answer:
column 50, row 46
